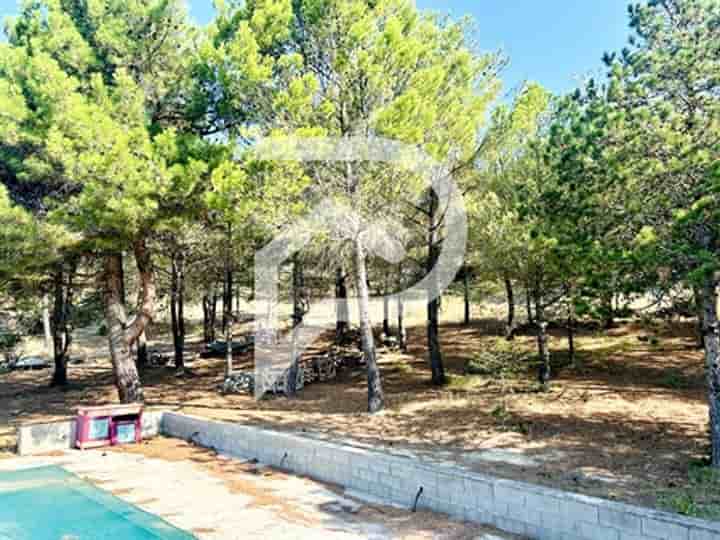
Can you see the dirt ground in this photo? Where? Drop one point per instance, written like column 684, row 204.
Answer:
column 625, row 425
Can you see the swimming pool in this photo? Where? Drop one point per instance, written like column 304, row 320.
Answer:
column 50, row 503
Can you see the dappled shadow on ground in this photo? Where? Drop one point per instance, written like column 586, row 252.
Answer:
column 622, row 424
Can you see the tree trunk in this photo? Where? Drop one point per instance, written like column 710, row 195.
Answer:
column 224, row 303
column 510, row 325
column 436, row 358
column 127, row 379
column 177, row 310
column 528, row 305
column 571, row 336
column 376, row 398
column 402, row 334
column 175, row 330
column 229, row 351
column 544, row 372
column 228, row 285
column 213, row 314
column 386, row 316
column 433, row 310
column 47, row 329
column 209, row 315
column 466, row 288
column 181, row 300
column 711, row 335
column 227, row 305
column 697, row 300
column 121, row 332
column 341, row 307
column 608, row 311
column 58, row 333
column 230, row 293
column 61, row 336
column 142, row 351
column 206, row 318
column 298, row 314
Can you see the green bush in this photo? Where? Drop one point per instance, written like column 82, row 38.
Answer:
column 87, row 311
column 9, row 341
column 674, row 379
column 699, row 498
column 502, row 360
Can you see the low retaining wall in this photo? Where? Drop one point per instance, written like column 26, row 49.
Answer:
column 50, row 437
column 533, row 511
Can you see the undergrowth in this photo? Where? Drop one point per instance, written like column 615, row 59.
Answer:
column 700, row 498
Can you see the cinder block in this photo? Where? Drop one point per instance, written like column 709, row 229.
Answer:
column 624, row 521
column 478, row 489
column 364, row 474
column 380, row 465
column 443, row 505
column 359, row 484
column 402, row 497
column 542, row 503
column 705, row 534
column 526, row 515
column 579, row 511
column 428, row 480
column 631, row 536
column 477, row 516
column 497, row 508
column 542, row 533
column 510, row 525
column 550, row 534
column 387, row 481
column 40, row 438
column 451, row 488
column 595, row 531
column 508, row 493
column 341, row 458
column 666, row 530
column 465, row 498
column 402, row 470
column 380, row 490
column 557, row 522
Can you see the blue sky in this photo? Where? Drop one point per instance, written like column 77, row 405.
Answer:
column 553, row 42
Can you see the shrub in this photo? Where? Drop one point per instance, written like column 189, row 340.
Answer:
column 503, row 360
column 9, row 341
column 87, row 311
column 699, row 498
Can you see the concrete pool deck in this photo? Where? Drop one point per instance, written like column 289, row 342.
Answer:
column 220, row 498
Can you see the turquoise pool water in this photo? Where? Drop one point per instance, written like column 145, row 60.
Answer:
column 49, row 503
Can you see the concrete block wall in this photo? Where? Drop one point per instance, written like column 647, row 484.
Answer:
column 525, row 509
column 49, row 437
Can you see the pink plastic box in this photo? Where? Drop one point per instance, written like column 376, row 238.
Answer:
column 108, row 425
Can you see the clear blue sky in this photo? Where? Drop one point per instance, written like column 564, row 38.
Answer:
column 552, row 42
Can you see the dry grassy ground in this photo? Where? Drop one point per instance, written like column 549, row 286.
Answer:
column 627, row 424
